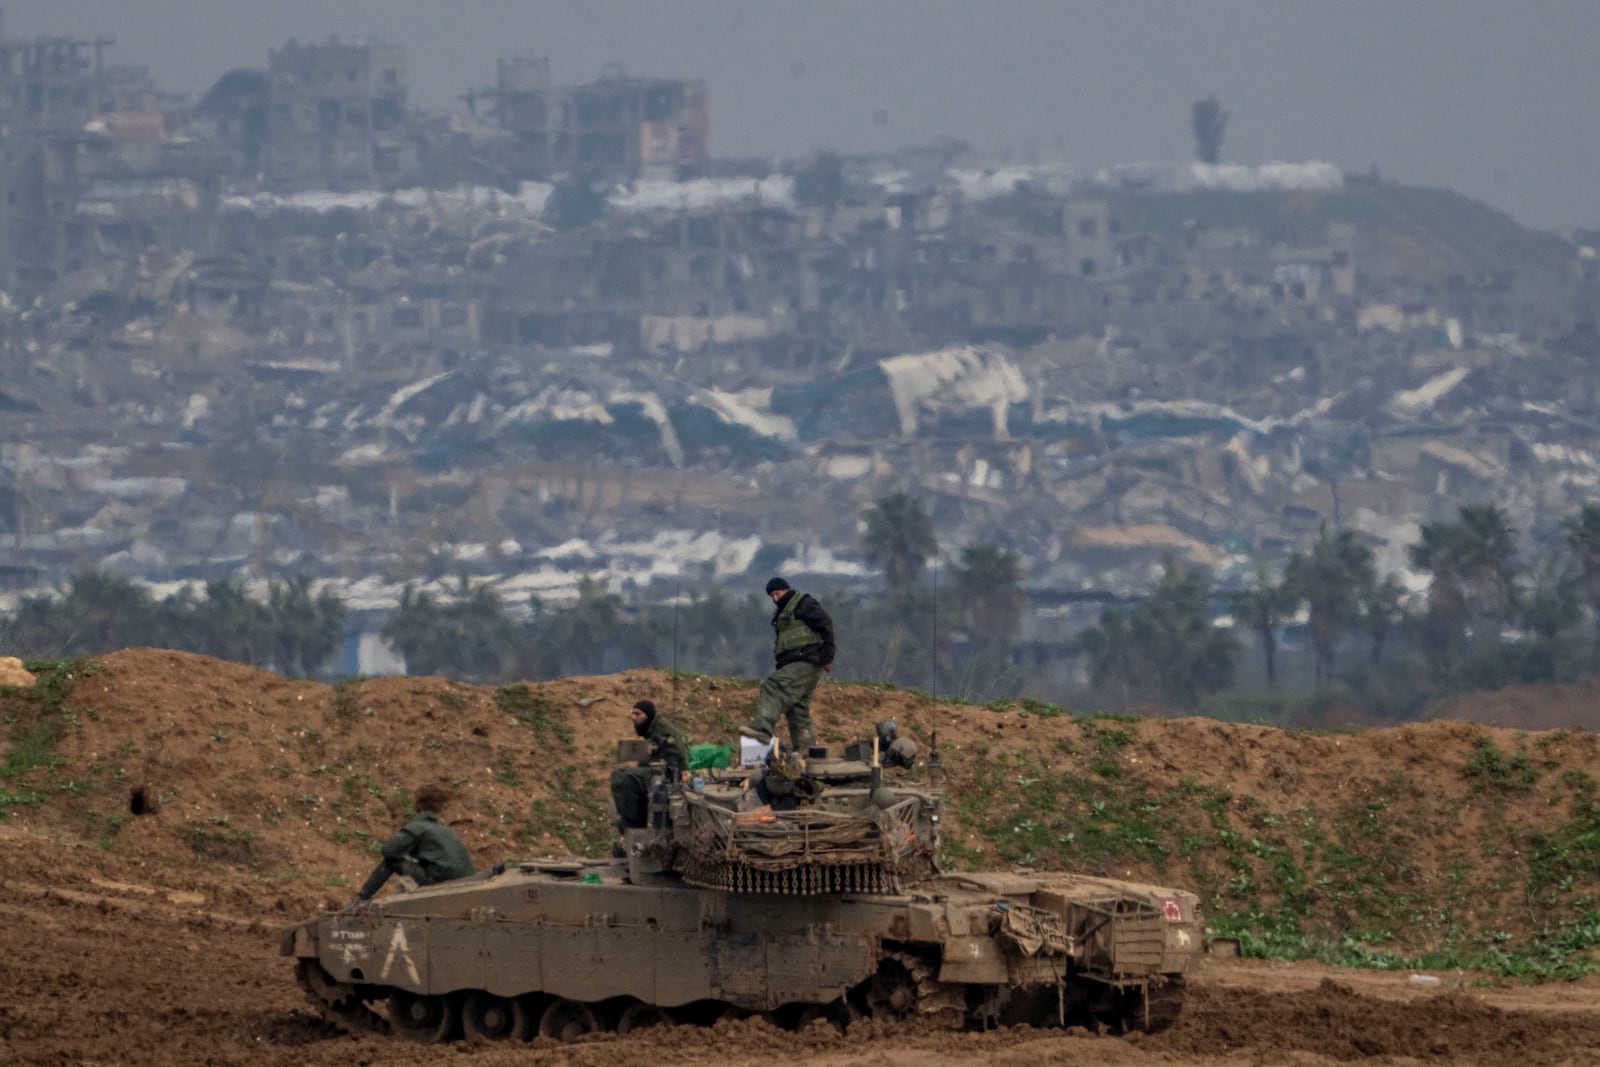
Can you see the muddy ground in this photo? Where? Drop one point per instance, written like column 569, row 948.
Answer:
column 107, row 962
column 152, row 939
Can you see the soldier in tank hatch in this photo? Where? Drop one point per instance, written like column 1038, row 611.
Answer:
column 630, row 786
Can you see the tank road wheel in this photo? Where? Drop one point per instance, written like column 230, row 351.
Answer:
column 418, row 1017
column 567, row 1020
column 892, row 992
column 493, row 1018
column 641, row 1016
column 338, row 1003
column 527, row 1010
column 907, row 986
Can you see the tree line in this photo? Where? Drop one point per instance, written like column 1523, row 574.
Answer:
column 1484, row 618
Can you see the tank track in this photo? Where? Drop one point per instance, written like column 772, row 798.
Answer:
column 1163, row 1004
column 939, row 1005
column 337, row 1002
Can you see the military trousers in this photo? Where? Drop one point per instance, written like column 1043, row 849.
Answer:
column 786, row 694
column 630, row 795
column 380, row 874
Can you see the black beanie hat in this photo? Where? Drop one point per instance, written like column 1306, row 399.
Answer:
column 775, row 584
column 649, row 709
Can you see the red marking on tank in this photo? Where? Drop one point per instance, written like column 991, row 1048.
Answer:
column 531, row 894
column 1172, row 909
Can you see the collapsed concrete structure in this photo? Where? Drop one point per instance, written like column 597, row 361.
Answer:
column 290, row 327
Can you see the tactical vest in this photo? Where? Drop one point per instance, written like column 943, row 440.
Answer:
column 792, row 633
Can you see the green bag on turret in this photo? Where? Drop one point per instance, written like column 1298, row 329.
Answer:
column 709, row 757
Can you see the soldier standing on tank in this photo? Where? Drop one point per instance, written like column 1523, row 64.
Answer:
column 424, row 850
column 803, row 647
column 630, row 786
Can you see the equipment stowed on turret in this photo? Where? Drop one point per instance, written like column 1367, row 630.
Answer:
column 803, row 886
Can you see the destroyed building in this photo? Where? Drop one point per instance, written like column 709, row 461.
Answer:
column 617, row 126
column 225, row 359
column 336, row 115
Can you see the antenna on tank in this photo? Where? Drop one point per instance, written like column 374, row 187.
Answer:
column 677, row 606
column 933, row 655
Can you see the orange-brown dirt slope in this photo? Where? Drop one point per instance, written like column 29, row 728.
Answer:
column 151, row 937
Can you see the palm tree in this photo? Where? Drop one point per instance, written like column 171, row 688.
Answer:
column 1380, row 612
column 579, row 635
column 1489, row 561
column 39, row 629
column 483, row 639
column 1263, row 606
column 414, row 629
column 1111, row 652
column 227, row 623
column 470, row 638
column 1473, row 585
column 106, row 611
column 988, row 581
column 306, row 629
column 1332, row 581
column 1552, row 609
column 1172, row 628
column 1582, row 532
column 899, row 538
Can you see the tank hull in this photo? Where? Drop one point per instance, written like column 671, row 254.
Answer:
column 564, row 948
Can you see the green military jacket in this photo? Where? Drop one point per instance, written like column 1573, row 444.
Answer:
column 435, row 846
column 667, row 743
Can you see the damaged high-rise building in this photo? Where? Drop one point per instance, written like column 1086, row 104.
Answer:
column 50, row 87
column 616, row 125
column 336, row 113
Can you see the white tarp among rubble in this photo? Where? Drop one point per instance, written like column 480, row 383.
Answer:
column 559, row 403
column 999, row 181
column 143, row 488
column 750, row 408
column 1188, row 177
column 1418, row 400
column 691, row 333
column 818, row 561
column 953, row 379
column 654, row 410
column 1060, row 178
column 701, row 193
column 529, row 199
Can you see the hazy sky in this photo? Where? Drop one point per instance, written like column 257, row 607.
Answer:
column 1499, row 99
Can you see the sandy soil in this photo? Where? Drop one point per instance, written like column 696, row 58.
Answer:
column 153, row 939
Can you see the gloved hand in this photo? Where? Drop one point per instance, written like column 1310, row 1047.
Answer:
column 828, row 667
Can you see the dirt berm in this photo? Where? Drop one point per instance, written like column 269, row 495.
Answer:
column 151, row 937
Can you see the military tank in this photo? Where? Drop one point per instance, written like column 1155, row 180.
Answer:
column 798, row 888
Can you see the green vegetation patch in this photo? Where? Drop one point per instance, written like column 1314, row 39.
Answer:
column 36, row 720
column 534, row 711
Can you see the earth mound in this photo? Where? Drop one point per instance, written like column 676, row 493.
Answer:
column 164, row 815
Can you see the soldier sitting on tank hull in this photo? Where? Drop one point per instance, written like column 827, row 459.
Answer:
column 630, row 786
column 424, row 850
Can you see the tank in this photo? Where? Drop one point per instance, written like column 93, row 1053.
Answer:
column 799, row 889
